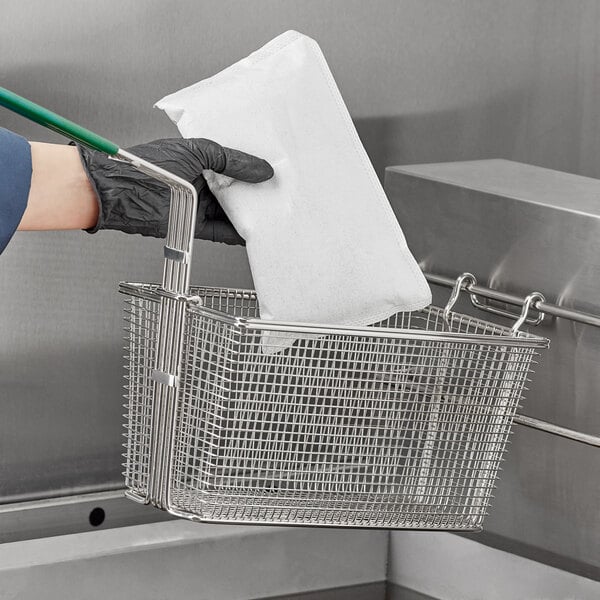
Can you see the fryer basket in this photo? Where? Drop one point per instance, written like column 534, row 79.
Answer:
column 398, row 425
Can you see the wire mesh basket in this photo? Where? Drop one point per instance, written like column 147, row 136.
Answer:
column 398, row 425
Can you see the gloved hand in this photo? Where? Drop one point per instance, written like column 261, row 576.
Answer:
column 134, row 202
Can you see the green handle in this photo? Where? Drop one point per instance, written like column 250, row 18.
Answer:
column 51, row 120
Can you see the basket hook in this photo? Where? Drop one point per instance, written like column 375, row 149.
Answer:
column 530, row 302
column 464, row 281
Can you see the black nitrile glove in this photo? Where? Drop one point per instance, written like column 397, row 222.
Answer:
column 134, row 202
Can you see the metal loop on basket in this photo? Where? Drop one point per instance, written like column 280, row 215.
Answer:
column 466, row 280
column 530, row 302
column 194, row 301
column 496, row 310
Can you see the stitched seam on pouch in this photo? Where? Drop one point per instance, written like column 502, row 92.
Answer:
column 277, row 46
column 269, row 49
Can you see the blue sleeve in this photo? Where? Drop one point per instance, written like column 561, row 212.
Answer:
column 15, row 180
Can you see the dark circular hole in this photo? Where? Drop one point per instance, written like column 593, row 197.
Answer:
column 97, row 517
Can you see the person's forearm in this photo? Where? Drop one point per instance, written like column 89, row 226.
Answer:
column 60, row 196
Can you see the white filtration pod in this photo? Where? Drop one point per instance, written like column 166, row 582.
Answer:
column 323, row 242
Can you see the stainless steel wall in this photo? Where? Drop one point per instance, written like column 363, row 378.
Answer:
column 521, row 228
column 425, row 81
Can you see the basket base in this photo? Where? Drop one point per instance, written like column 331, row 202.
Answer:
column 385, row 511
column 135, row 497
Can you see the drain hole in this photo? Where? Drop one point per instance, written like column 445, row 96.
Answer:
column 97, row 517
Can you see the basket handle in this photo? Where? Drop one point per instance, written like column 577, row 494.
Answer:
column 182, row 216
column 176, row 274
column 51, row 120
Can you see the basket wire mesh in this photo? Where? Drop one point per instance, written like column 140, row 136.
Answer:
column 401, row 425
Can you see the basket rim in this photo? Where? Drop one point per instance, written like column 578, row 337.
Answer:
column 154, row 291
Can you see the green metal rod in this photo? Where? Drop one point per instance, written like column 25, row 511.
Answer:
column 51, row 120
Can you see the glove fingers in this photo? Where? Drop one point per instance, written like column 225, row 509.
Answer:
column 133, row 202
column 241, row 166
column 246, row 167
column 189, row 157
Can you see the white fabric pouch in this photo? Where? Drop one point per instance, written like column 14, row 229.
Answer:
column 323, row 243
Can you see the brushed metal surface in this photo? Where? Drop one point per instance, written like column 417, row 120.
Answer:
column 179, row 559
column 424, row 82
column 73, row 514
column 449, row 567
column 370, row 591
column 455, row 220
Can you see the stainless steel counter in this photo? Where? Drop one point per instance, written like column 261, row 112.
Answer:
column 179, row 559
